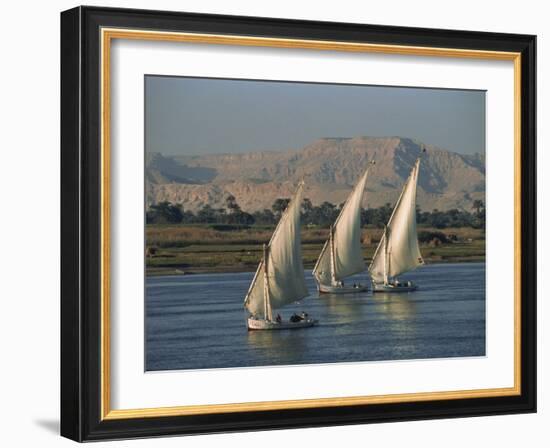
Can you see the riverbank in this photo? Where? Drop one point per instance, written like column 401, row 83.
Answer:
column 178, row 250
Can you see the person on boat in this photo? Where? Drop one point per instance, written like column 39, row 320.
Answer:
column 278, row 318
column 303, row 316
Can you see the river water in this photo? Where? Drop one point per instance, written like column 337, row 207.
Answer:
column 198, row 322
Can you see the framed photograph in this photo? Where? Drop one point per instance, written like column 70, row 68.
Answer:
column 273, row 223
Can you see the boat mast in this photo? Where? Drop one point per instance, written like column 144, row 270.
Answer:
column 332, row 258
column 267, row 304
column 389, row 266
column 386, row 256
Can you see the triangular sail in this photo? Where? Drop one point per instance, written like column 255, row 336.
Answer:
column 285, row 271
column 398, row 250
column 347, row 256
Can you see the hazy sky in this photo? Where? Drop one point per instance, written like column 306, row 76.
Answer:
column 198, row 116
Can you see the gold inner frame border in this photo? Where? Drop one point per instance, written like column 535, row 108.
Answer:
column 107, row 35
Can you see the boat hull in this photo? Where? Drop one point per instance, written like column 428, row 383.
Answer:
column 394, row 287
column 329, row 289
column 261, row 324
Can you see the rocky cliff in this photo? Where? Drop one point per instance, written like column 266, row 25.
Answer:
column 329, row 166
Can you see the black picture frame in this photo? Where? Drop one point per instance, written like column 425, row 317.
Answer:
column 81, row 224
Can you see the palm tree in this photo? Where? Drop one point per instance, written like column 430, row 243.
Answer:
column 279, row 206
column 231, row 204
column 477, row 206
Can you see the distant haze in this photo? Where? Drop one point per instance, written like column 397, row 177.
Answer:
column 188, row 116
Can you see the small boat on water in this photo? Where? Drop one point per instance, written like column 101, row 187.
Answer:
column 398, row 251
column 279, row 278
column 342, row 254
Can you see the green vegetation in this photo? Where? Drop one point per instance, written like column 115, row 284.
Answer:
column 229, row 239
column 321, row 216
column 180, row 248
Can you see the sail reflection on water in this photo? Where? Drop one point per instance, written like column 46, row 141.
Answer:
column 277, row 347
column 347, row 309
column 397, row 307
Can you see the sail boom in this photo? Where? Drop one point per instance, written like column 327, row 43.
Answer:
column 259, row 270
column 317, row 263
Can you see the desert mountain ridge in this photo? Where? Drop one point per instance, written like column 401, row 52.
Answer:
column 329, row 166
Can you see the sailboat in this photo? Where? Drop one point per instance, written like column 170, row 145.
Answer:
column 398, row 251
column 342, row 254
column 279, row 278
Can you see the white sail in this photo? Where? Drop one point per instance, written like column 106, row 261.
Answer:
column 285, row 271
column 398, row 250
column 347, row 256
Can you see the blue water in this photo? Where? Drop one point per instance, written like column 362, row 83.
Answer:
column 198, row 322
